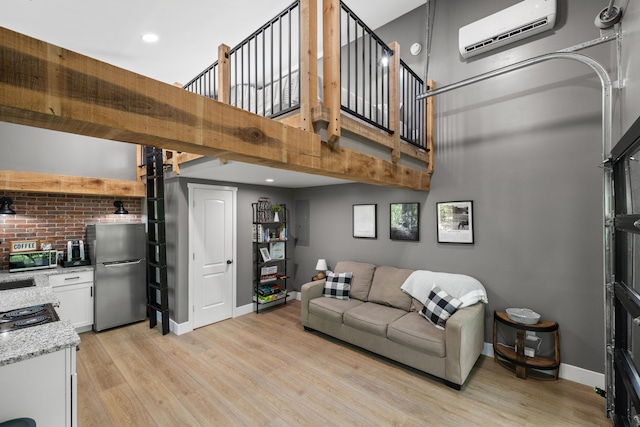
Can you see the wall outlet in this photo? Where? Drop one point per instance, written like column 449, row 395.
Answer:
column 530, row 335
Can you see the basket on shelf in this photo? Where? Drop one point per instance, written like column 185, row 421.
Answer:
column 264, row 210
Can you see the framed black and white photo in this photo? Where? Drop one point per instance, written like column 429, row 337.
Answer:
column 455, row 222
column 364, row 221
column 264, row 252
column 405, row 221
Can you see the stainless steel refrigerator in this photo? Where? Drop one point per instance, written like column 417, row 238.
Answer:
column 118, row 254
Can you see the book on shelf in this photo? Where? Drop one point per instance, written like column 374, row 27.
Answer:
column 258, row 233
column 266, row 290
column 268, row 273
column 262, row 234
column 264, row 299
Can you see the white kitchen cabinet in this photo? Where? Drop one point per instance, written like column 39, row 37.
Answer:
column 75, row 292
column 43, row 388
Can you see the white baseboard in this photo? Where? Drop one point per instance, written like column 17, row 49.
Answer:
column 241, row 311
column 294, row 295
column 567, row 372
column 178, row 328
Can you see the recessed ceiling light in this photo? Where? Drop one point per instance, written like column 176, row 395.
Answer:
column 150, row 38
column 269, row 179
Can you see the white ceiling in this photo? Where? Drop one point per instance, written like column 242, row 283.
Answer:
column 189, row 31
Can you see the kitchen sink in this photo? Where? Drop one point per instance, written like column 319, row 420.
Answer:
column 15, row 284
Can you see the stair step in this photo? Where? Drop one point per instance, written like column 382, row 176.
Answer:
column 159, row 287
column 156, row 265
column 158, row 307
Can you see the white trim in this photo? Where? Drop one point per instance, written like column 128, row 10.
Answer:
column 176, row 328
column 487, row 350
column 294, row 295
column 582, row 376
column 245, row 309
column 567, row 372
column 180, row 328
column 234, row 192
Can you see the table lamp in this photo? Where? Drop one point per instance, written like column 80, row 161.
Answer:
column 321, row 266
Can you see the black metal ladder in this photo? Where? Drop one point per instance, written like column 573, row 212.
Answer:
column 157, row 287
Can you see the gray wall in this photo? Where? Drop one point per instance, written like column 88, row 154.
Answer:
column 178, row 239
column 525, row 147
column 30, row 149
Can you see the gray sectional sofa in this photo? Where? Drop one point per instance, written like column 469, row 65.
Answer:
column 380, row 317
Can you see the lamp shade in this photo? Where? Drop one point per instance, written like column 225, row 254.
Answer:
column 121, row 210
column 321, row 265
column 5, row 206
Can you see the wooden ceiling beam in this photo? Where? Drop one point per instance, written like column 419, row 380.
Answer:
column 65, row 184
column 49, row 87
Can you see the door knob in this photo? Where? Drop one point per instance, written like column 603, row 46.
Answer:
column 229, row 261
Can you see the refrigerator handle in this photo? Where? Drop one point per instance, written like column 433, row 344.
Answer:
column 122, row 264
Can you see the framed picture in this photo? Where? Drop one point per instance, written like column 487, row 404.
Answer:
column 276, row 250
column 264, row 252
column 455, row 222
column 364, row 221
column 405, row 221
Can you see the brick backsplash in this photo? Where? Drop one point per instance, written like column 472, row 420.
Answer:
column 57, row 218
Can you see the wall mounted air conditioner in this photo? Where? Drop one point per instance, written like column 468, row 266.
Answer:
column 513, row 23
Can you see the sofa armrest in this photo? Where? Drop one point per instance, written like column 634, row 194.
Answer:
column 310, row 291
column 464, row 341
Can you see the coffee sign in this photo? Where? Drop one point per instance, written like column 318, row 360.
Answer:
column 24, row 246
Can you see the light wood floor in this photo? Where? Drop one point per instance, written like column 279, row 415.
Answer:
column 265, row 370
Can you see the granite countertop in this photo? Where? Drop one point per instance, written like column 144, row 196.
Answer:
column 25, row 297
column 16, row 346
column 41, row 276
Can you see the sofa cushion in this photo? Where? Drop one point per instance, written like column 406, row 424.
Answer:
column 416, row 305
column 331, row 308
column 385, row 287
column 439, row 307
column 362, row 274
column 372, row 318
column 337, row 285
column 411, row 330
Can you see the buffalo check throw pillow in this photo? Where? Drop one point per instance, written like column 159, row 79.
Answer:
column 439, row 306
column 337, row 285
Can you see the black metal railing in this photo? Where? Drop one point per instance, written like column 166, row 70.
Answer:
column 264, row 75
column 412, row 111
column 364, row 71
column 205, row 83
column 264, row 67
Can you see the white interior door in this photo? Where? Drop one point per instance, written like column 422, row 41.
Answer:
column 212, row 246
